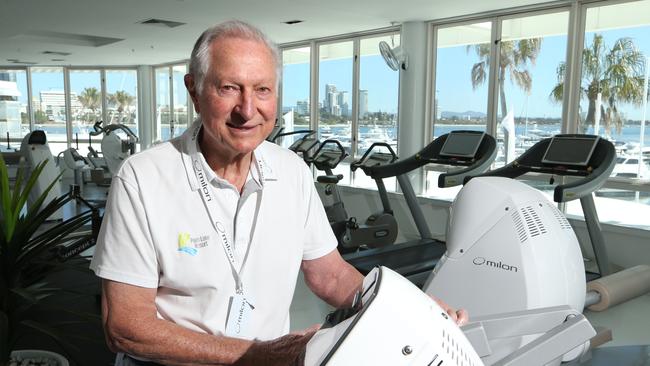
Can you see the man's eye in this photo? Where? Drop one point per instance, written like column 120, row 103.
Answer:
column 229, row 88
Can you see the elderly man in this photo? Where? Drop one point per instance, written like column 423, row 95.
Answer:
column 204, row 235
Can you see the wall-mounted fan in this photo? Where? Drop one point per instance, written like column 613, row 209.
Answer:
column 395, row 57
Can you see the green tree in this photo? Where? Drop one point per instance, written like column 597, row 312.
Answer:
column 90, row 99
column 122, row 100
column 40, row 116
column 616, row 73
column 514, row 59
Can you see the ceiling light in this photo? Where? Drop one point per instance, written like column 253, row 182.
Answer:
column 292, row 22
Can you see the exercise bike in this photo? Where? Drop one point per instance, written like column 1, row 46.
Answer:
column 379, row 229
column 114, row 147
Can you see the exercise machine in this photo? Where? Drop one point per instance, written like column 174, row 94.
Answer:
column 380, row 228
column 305, row 146
column 421, row 333
column 372, row 332
column 35, row 149
column 472, row 153
column 115, row 148
column 519, row 253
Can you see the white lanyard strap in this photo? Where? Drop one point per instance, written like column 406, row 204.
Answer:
column 209, row 200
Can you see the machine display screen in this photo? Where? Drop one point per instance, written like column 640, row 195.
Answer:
column 462, row 144
column 570, row 150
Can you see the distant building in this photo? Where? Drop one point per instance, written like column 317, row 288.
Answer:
column 302, row 107
column 343, row 102
column 363, row 103
column 52, row 103
column 9, row 105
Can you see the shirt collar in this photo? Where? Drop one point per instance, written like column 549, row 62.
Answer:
column 260, row 171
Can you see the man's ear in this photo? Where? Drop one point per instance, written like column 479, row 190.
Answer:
column 191, row 88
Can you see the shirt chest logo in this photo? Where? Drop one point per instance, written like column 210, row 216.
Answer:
column 192, row 245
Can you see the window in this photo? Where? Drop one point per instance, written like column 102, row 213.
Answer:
column 334, row 92
column 378, row 95
column 532, row 49
column 163, row 108
column 85, row 104
column 172, row 102
column 122, row 98
column 48, row 103
column 613, row 104
column 180, row 100
column 14, row 114
column 295, row 107
column 460, row 101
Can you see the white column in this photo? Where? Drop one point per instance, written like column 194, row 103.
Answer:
column 146, row 113
column 412, row 95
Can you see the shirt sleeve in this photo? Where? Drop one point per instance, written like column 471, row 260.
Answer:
column 319, row 237
column 125, row 251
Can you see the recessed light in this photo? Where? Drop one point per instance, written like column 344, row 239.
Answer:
column 292, row 22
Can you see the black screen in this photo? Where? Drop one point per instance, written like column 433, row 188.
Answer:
column 461, row 144
column 570, row 150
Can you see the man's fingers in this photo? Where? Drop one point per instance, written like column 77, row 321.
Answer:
column 462, row 317
column 311, row 330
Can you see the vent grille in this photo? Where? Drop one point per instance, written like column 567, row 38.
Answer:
column 519, row 226
column 534, row 223
column 564, row 223
column 162, row 23
column 453, row 352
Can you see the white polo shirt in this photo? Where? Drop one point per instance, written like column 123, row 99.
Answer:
column 157, row 233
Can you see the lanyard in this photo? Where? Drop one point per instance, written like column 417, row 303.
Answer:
column 209, row 200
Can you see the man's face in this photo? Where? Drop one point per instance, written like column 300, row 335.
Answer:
column 239, row 97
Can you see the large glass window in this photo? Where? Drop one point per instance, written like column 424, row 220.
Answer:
column 85, row 103
column 122, row 98
column 378, row 95
column 172, row 108
column 163, row 108
column 48, row 103
column 461, row 86
column 334, row 92
column 613, row 103
column 462, row 73
column 14, row 114
column 180, row 99
column 296, row 75
column 531, row 50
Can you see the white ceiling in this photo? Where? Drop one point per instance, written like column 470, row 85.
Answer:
column 30, row 27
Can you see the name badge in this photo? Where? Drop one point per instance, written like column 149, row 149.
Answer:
column 239, row 321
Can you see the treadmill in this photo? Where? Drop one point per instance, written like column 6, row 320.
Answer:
column 589, row 158
column 473, row 151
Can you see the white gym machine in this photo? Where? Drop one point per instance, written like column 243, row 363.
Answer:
column 34, row 149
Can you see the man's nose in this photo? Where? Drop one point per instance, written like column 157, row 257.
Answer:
column 246, row 105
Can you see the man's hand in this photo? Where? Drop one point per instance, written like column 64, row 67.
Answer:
column 286, row 350
column 460, row 316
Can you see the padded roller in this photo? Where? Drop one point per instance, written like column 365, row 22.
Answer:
column 620, row 287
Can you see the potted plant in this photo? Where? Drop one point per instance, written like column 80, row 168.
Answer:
column 24, row 247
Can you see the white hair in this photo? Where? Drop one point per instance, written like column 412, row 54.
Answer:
column 200, row 59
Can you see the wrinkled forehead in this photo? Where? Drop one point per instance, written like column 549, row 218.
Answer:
column 238, row 50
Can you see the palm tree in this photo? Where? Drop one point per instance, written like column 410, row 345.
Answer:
column 614, row 75
column 515, row 56
column 123, row 100
column 90, row 99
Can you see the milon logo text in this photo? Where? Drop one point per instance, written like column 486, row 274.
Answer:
column 480, row 261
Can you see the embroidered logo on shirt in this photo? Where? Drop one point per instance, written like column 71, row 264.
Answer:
column 189, row 245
